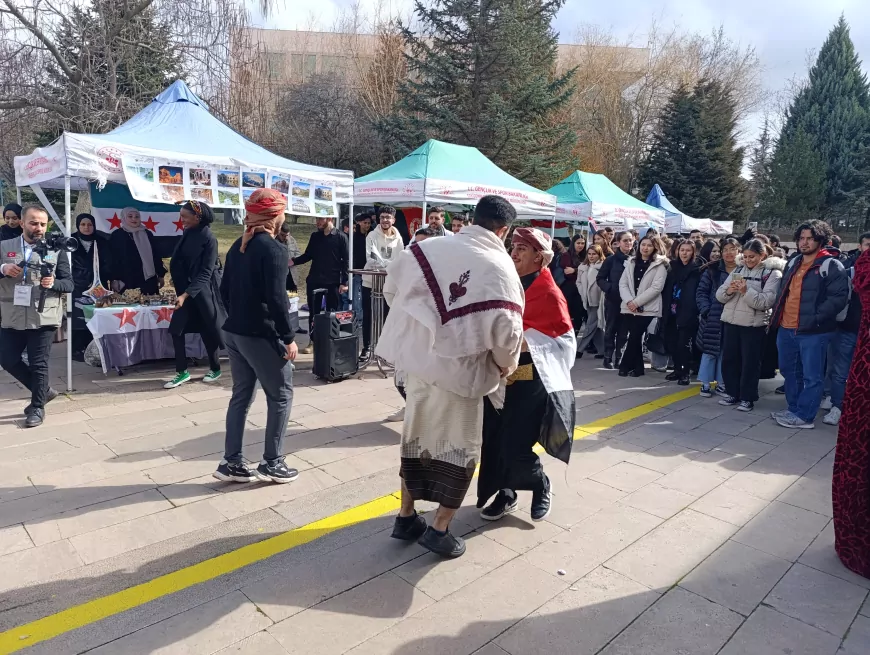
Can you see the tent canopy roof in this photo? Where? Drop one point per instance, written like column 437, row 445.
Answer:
column 176, row 125
column 657, row 198
column 580, row 187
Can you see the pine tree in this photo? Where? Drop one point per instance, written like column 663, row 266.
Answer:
column 759, row 166
column 834, row 110
column 695, row 157
column 483, row 73
column 795, row 182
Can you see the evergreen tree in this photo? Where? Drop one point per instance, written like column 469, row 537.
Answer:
column 483, row 74
column 694, row 156
column 759, row 166
column 833, row 110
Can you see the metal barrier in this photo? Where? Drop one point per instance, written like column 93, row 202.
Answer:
column 378, row 278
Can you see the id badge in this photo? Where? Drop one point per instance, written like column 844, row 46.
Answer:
column 22, row 297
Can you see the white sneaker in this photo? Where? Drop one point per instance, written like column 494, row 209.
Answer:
column 397, row 417
column 826, row 403
column 832, row 417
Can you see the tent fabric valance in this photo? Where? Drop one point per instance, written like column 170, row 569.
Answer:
column 446, row 174
column 676, row 222
column 595, row 198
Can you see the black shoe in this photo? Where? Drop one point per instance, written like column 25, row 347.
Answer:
column 684, row 381
column 608, row 364
column 227, row 472
column 277, row 472
column 364, row 355
column 669, row 367
column 442, row 543
column 780, row 390
column 635, row 374
column 672, row 377
column 50, row 395
column 579, row 354
column 598, row 357
column 745, row 406
column 541, row 502
column 729, row 401
column 409, row 528
column 622, row 374
column 503, row 504
column 34, row 418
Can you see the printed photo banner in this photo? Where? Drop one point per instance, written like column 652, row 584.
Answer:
column 164, row 181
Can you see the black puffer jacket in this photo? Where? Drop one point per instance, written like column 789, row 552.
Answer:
column 709, row 337
column 684, row 277
column 609, row 276
column 821, row 298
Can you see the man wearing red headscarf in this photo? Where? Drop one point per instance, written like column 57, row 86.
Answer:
column 539, row 395
column 259, row 338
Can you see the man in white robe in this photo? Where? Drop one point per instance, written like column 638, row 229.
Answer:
column 455, row 328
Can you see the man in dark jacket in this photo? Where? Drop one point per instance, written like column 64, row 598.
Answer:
column 327, row 252
column 814, row 289
column 843, row 346
column 608, row 281
column 259, row 338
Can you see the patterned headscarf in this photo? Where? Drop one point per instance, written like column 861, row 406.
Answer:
column 265, row 208
column 536, row 240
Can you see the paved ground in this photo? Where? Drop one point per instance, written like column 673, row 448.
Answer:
column 689, row 529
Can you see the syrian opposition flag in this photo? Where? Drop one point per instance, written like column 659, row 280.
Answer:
column 161, row 220
column 550, row 337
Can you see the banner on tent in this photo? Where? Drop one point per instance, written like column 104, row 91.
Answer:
column 154, row 180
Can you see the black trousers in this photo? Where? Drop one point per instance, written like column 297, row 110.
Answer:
column 679, row 344
column 34, row 375
column 333, row 300
column 742, row 350
column 634, row 330
column 575, row 305
column 614, row 338
column 212, row 344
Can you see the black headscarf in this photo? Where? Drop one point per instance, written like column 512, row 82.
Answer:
column 78, row 234
column 7, row 232
column 14, row 206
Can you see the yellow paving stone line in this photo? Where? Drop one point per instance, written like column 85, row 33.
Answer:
column 98, row 609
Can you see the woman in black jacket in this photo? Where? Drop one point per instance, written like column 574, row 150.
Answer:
column 196, row 272
column 11, row 229
column 135, row 262
column 680, row 311
column 91, row 255
column 608, row 281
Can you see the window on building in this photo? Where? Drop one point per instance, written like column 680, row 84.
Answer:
column 275, row 64
column 310, row 66
column 296, row 67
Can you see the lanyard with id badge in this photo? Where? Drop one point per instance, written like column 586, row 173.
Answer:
column 23, row 290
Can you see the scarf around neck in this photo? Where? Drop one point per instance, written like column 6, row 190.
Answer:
column 143, row 245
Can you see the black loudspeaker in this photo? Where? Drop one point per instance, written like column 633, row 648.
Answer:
column 336, row 346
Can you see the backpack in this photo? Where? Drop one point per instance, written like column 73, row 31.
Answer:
column 824, row 269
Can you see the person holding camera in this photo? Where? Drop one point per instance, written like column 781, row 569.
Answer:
column 32, row 280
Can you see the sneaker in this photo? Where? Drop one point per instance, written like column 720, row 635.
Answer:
column 672, row 377
column 308, row 350
column 364, row 355
column 50, row 395
column 789, row 420
column 780, row 390
column 541, row 501
column 227, row 472
column 397, row 417
column 826, row 403
column 211, row 376
column 34, row 418
column 684, row 381
column 598, row 357
column 178, row 380
column 442, row 543
column 608, row 364
column 635, row 374
column 832, row 417
column 501, row 505
column 278, row 472
column 622, row 374
column 745, row 406
column 728, row 401
column 706, row 391
column 409, row 528
column 720, row 390
column 579, row 355
column 776, row 415
column 659, row 369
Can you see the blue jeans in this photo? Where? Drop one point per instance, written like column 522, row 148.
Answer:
column 710, row 369
column 839, row 362
column 802, row 364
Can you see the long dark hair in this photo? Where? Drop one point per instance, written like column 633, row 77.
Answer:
column 658, row 249
column 578, row 258
column 605, row 242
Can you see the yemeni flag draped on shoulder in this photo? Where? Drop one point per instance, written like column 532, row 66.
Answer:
column 549, row 334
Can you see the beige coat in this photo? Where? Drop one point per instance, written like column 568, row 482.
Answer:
column 752, row 309
column 649, row 295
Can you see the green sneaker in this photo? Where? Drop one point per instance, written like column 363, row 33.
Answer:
column 178, row 380
column 211, row 376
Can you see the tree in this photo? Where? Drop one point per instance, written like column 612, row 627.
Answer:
column 695, row 157
column 759, row 165
column 833, row 111
column 795, row 187
column 483, row 73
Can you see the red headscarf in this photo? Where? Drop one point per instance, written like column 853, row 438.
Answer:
column 265, row 208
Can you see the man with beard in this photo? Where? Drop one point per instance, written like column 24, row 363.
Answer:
column 539, row 395
column 435, row 222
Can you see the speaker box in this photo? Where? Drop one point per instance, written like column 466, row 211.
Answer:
column 336, row 346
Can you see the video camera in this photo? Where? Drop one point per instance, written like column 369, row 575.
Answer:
column 54, row 241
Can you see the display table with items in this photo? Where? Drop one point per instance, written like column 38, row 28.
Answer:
column 130, row 333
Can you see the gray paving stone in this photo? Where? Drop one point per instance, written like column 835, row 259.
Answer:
column 581, row 619
column 679, row 622
column 626, row 477
column 822, row 556
column 260, row 643
column 659, row 559
column 490, row 649
column 736, row 576
column 693, row 479
column 811, row 493
column 767, row 632
column 340, row 623
column 576, row 500
column 865, row 608
column 664, row 458
column 37, row 564
column 518, row 533
column 782, row 530
column 744, row 446
column 658, row 501
column 13, row 539
column 701, row 439
column 857, row 642
column 731, row 505
column 817, row 598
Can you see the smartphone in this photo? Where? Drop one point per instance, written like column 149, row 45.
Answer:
column 736, row 277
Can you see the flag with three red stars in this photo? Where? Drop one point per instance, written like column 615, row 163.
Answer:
column 161, row 220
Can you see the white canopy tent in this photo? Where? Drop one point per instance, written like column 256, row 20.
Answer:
column 676, row 222
column 176, row 126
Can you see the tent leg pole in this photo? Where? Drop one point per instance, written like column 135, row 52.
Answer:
column 350, row 253
column 18, row 194
column 423, row 221
column 553, row 228
column 69, row 296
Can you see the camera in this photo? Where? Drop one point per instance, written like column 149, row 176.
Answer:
column 55, row 241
